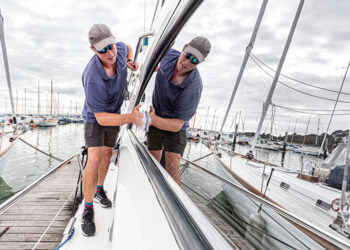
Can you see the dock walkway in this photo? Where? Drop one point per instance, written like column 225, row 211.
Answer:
column 31, row 216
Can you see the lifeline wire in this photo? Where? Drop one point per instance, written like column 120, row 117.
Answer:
column 293, row 79
column 310, row 113
column 284, row 84
column 58, row 159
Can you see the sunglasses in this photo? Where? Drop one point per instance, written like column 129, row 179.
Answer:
column 190, row 56
column 104, row 50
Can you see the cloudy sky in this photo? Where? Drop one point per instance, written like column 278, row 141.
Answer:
column 48, row 40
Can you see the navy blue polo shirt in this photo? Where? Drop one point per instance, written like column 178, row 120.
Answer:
column 172, row 100
column 103, row 93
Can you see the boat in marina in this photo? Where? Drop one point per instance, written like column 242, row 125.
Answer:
column 64, row 120
column 3, row 121
column 47, row 122
column 307, row 150
column 313, row 192
column 266, row 144
column 150, row 211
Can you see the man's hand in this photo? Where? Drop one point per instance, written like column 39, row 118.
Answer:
column 152, row 115
column 132, row 66
column 137, row 116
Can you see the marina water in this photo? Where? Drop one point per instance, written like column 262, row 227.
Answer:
column 23, row 164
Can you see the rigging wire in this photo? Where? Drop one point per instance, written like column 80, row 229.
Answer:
column 284, row 84
column 296, row 80
column 304, row 112
column 335, row 106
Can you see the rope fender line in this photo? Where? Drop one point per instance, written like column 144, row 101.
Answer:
column 52, row 221
column 50, row 155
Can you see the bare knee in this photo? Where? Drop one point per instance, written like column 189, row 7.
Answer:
column 156, row 154
column 107, row 155
column 93, row 163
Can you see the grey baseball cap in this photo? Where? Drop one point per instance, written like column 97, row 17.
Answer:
column 199, row 47
column 100, row 36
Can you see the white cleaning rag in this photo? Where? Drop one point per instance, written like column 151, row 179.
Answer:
column 146, row 121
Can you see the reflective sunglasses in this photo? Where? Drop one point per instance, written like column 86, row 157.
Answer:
column 104, row 50
column 190, row 56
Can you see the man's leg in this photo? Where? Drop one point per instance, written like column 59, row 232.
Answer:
column 154, row 142
column 174, row 146
column 89, row 187
column 90, row 174
column 110, row 138
column 172, row 166
column 104, row 165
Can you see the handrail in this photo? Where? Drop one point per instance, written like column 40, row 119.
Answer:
column 151, row 33
column 330, row 238
column 7, row 204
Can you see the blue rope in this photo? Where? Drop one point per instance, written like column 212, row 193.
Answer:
column 69, row 237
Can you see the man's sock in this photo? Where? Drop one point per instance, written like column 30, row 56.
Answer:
column 88, row 205
column 98, row 188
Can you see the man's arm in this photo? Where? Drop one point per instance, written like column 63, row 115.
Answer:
column 130, row 60
column 168, row 124
column 111, row 119
column 130, row 55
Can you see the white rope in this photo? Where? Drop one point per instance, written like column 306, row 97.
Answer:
column 52, row 221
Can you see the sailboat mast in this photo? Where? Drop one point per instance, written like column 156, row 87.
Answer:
column 212, row 124
column 58, row 104
column 245, row 59
column 7, row 69
column 25, row 101
column 16, row 111
column 272, row 120
column 51, row 100
column 318, row 128
column 206, row 119
column 278, row 71
column 307, row 128
column 194, row 121
column 38, row 100
column 295, row 126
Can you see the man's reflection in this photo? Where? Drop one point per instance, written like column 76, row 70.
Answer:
column 176, row 95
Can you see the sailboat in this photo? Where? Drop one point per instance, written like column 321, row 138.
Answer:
column 150, row 211
column 304, row 192
column 49, row 121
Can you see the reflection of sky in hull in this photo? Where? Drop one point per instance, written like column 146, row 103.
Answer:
column 23, row 164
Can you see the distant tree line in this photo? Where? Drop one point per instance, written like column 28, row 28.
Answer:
column 332, row 139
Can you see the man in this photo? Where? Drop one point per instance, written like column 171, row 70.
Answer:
column 104, row 81
column 175, row 99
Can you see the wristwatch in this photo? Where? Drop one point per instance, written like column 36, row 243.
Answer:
column 129, row 60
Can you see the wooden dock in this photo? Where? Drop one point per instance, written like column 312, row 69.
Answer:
column 32, row 215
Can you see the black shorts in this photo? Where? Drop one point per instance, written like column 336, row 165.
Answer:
column 174, row 142
column 97, row 136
